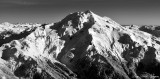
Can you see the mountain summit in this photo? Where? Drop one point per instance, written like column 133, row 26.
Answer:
column 83, row 45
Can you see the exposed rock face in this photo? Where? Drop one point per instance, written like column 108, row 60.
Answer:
column 81, row 46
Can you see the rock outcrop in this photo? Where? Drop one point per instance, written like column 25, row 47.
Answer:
column 83, row 45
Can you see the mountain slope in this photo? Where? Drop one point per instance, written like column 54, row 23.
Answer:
column 24, row 55
column 83, row 45
column 97, row 47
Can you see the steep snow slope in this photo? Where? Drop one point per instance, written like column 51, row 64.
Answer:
column 83, row 45
column 24, row 54
column 97, row 47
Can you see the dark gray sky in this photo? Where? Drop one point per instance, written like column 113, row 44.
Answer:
column 50, row 11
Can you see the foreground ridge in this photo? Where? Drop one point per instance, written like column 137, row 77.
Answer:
column 83, row 45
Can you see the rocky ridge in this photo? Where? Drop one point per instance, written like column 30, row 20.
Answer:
column 83, row 45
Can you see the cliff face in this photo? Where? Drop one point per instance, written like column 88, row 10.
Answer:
column 83, row 45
